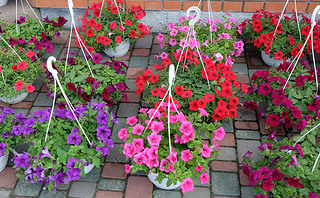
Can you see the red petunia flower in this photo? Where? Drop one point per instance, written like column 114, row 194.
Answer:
column 90, row 80
column 273, row 120
column 278, row 55
column 105, row 40
column 91, row 22
column 202, row 103
column 133, row 34
column 226, row 92
column 30, row 88
column 129, row 23
column 194, row 106
column 90, row 32
column 208, row 97
column 96, row 13
column 114, row 10
column 22, row 65
column 141, row 27
column 30, row 54
column 162, row 92
column 98, row 26
column 118, row 39
column 86, row 97
column 113, row 25
column 154, row 78
column 19, row 85
column 294, row 182
column 154, row 92
column 232, row 113
column 179, row 90
column 234, row 101
column 267, row 184
column 71, row 87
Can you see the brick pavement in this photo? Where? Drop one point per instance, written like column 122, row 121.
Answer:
column 226, row 177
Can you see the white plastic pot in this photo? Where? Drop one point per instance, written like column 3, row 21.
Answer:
column 3, row 2
column 121, row 50
column 88, row 168
column 3, row 161
column 270, row 61
column 17, row 99
column 163, row 184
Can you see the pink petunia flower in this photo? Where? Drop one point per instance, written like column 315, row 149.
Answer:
column 199, row 168
column 203, row 112
column 172, row 157
column 137, row 145
column 206, row 151
column 204, row 178
column 132, row 120
column 186, row 128
column 137, row 129
column 128, row 150
column 123, row 134
column 219, row 134
column 186, row 155
column 154, row 139
column 187, row 185
column 140, row 158
column 127, row 168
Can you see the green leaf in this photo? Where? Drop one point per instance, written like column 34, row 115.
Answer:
column 96, row 162
column 72, row 74
column 61, row 154
column 81, row 78
column 311, row 138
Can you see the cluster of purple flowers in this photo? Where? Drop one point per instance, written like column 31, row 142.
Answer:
column 29, row 164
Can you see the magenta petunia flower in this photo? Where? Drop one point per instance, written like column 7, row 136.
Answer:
column 187, row 185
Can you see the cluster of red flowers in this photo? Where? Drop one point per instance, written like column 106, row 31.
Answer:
column 93, row 27
column 153, row 78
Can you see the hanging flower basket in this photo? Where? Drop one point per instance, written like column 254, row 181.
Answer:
column 16, row 99
column 3, row 2
column 121, row 50
column 163, row 185
column 270, row 61
column 3, row 161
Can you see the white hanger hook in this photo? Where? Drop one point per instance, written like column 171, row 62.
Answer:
column 70, row 5
column 50, row 68
column 195, row 9
column 171, row 74
column 314, row 14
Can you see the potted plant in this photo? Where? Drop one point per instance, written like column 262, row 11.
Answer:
column 29, row 34
column 18, row 72
column 113, row 29
column 63, row 155
column 282, row 43
column 174, row 155
column 107, row 85
column 215, row 39
column 288, row 168
column 3, row 2
column 191, row 87
column 11, row 134
column 292, row 106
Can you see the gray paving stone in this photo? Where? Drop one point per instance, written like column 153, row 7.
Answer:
column 82, row 189
column 225, row 184
column 38, row 83
column 251, row 71
column 43, row 100
column 227, row 154
column 156, row 49
column 279, row 138
column 63, row 186
column 112, row 184
column 247, row 192
column 93, row 175
column 131, row 84
column 31, row 97
column 243, row 146
column 4, row 193
column 227, row 124
column 104, row 57
column 240, row 68
column 24, row 111
column 23, row 188
column 140, row 173
column 116, row 129
column 72, row 52
column 145, row 42
column 166, row 194
column 113, row 109
column 198, row 192
column 251, row 135
column 128, row 110
column 55, row 52
column 48, row 194
column 137, row 61
column 115, row 155
column 246, row 114
column 154, row 61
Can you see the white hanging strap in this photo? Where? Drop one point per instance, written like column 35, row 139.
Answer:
column 115, row 3
column 11, row 48
column 210, row 17
column 3, row 79
column 70, row 5
column 17, row 17
column 296, row 13
column 56, row 79
column 314, row 23
column 24, row 12
column 101, row 9
column 315, row 163
column 34, row 13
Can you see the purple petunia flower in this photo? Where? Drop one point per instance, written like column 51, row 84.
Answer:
column 103, row 132
column 2, row 148
column 4, row 135
column 2, row 117
column 102, row 119
column 104, row 150
column 12, row 41
column 74, row 138
column 45, row 153
column 71, row 162
column 114, row 120
column 32, row 172
column 20, row 118
column 43, row 115
column 8, row 111
column 29, row 122
column 16, row 130
column 22, row 160
column 58, row 178
column 73, row 173
column 96, row 58
column 27, row 130
column 61, row 113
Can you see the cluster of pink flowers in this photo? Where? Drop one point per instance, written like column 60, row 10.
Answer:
column 143, row 144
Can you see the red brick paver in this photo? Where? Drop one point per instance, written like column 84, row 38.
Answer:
column 108, row 194
column 8, row 178
column 5, row 105
column 141, row 52
column 115, row 171
column 243, row 178
column 139, row 187
column 228, row 140
column 224, row 166
column 134, row 72
column 126, row 57
column 22, row 105
column 246, row 125
column 132, row 97
column 244, row 79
